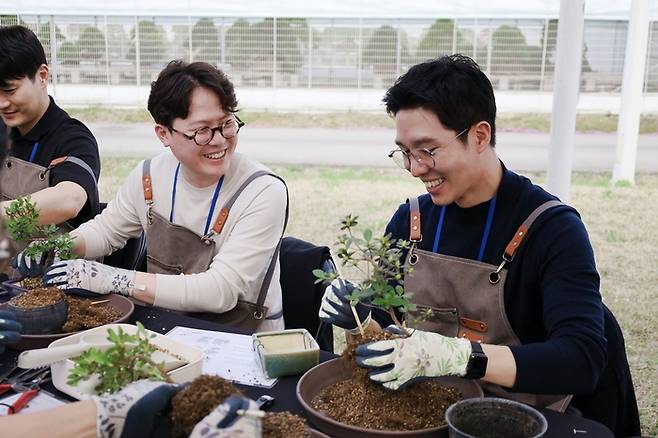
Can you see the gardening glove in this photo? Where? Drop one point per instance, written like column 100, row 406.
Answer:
column 79, row 277
column 401, row 361
column 29, row 266
column 225, row 421
column 132, row 411
column 10, row 329
column 335, row 308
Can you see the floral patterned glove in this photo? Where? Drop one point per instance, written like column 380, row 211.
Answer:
column 399, row 362
column 225, row 421
column 80, row 275
column 335, row 308
column 131, row 412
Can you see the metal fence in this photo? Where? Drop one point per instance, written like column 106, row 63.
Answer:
column 517, row 54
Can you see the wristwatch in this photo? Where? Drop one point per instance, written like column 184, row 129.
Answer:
column 477, row 362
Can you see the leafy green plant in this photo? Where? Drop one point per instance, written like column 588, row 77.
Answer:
column 380, row 262
column 128, row 360
column 23, row 226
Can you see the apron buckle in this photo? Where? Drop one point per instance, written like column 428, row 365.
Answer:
column 258, row 315
column 413, row 258
column 494, row 277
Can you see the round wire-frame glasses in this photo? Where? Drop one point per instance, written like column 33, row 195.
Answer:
column 203, row 136
column 422, row 156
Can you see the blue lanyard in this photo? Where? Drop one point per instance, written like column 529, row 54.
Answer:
column 485, row 234
column 34, row 152
column 218, row 187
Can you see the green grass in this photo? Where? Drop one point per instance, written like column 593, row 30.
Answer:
column 350, row 119
column 621, row 220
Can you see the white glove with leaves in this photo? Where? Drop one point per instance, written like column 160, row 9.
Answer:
column 399, row 362
column 77, row 276
column 225, row 420
column 132, row 411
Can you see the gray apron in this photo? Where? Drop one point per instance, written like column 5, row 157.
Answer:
column 174, row 249
column 21, row 178
column 466, row 299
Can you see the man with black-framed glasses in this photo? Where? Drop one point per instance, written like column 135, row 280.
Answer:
column 504, row 270
column 209, row 213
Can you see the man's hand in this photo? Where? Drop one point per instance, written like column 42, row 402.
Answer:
column 131, row 412
column 29, row 266
column 336, row 309
column 236, row 417
column 76, row 275
column 397, row 363
column 10, row 329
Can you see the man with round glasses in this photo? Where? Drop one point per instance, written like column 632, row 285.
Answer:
column 502, row 271
column 213, row 217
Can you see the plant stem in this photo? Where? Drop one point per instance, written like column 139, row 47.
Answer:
column 357, row 319
column 397, row 322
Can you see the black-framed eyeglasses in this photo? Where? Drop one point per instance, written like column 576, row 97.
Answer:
column 422, row 156
column 203, row 136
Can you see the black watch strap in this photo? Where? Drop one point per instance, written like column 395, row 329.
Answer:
column 477, row 362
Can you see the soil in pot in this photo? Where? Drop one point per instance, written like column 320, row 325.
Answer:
column 284, row 425
column 197, row 400
column 361, row 402
column 39, row 297
column 84, row 314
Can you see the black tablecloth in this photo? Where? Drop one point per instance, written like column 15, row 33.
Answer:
column 284, row 392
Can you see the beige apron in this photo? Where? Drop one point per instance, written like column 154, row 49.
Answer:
column 21, row 178
column 467, row 300
column 173, row 249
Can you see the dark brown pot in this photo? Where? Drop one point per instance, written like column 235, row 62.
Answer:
column 330, row 372
column 41, row 320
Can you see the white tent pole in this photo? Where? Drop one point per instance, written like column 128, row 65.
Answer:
column 566, row 86
column 628, row 126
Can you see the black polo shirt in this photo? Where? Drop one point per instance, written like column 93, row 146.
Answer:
column 59, row 135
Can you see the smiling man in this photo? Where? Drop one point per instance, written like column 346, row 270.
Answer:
column 210, row 213
column 53, row 157
column 506, row 270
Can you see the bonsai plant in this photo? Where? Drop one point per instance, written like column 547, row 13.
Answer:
column 47, row 310
column 340, row 389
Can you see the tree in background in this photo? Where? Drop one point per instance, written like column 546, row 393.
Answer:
column 551, row 43
column 205, row 42
column 381, row 52
column 152, row 43
column 10, row 20
column 438, row 41
column 238, row 44
column 92, row 44
column 510, row 54
column 43, row 33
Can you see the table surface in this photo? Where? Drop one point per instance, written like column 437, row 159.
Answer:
column 284, row 392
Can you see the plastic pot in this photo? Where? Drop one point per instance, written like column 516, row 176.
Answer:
column 494, row 418
column 41, row 320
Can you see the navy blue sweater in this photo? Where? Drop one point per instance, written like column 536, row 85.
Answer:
column 552, row 294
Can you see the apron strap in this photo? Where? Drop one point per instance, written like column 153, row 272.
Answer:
column 74, row 160
column 146, row 181
column 522, row 232
column 415, row 234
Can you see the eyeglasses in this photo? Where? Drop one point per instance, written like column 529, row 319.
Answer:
column 203, row 136
column 422, row 156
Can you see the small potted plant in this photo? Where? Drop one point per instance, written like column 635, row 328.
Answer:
column 338, row 396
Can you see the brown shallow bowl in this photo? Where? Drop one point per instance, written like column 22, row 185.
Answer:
column 28, row 342
column 335, row 370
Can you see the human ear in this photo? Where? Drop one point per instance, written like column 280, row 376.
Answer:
column 482, row 134
column 163, row 134
column 42, row 75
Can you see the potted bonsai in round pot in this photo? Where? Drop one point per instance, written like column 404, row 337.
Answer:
column 338, row 395
column 41, row 310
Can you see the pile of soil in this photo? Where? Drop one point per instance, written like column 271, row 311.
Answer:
column 37, row 298
column 361, row 402
column 83, row 314
column 283, row 425
column 197, row 400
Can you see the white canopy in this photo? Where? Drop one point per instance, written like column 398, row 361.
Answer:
column 599, row 9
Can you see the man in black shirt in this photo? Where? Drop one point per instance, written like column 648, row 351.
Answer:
column 53, row 157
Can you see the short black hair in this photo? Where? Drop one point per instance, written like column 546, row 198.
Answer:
column 21, row 54
column 4, row 140
column 453, row 87
column 171, row 92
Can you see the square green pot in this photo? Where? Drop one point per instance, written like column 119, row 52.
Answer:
column 286, row 352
